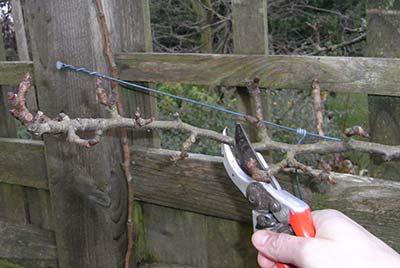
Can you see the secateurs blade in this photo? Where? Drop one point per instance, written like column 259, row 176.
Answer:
column 273, row 208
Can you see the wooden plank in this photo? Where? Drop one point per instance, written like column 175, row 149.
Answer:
column 12, row 204
column 342, row 74
column 26, row 246
column 22, row 162
column 250, row 27
column 250, row 36
column 84, row 184
column 200, row 184
column 133, row 34
column 383, row 40
column 39, row 208
column 7, row 123
column 11, row 72
column 175, row 237
column 228, row 244
column 19, row 28
column 22, row 49
column 178, row 239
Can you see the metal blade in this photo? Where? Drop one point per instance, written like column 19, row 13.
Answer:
column 246, row 151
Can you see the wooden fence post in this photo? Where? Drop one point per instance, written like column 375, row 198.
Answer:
column 7, row 123
column 383, row 40
column 250, row 36
column 87, row 188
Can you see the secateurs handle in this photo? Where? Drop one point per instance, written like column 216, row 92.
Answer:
column 302, row 225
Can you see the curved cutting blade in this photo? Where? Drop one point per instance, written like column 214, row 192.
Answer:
column 246, row 152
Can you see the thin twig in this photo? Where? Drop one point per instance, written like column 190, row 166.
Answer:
column 41, row 124
column 331, row 48
column 255, row 94
column 318, row 107
column 126, row 165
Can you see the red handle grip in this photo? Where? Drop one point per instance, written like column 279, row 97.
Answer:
column 302, row 225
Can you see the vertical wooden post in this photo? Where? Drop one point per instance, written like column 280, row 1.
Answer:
column 7, row 123
column 22, row 48
column 205, row 16
column 250, row 36
column 383, row 40
column 19, row 27
column 87, row 188
column 133, row 34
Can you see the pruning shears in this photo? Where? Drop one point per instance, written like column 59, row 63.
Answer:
column 273, row 208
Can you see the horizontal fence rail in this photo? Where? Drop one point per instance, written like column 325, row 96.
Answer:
column 200, row 184
column 27, row 246
column 342, row 74
column 22, row 163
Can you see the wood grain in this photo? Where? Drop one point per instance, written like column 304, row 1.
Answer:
column 342, row 74
column 22, row 162
column 7, row 123
column 185, row 239
column 200, row 184
column 26, row 246
column 84, row 184
column 384, row 112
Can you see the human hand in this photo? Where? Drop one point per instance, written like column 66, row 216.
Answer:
column 339, row 242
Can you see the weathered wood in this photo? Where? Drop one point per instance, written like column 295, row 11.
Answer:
column 193, row 240
column 22, row 48
column 85, row 185
column 133, row 34
column 228, row 244
column 39, row 208
column 343, row 74
column 12, row 204
column 11, row 72
column 7, row 123
column 22, row 162
column 203, row 11
column 163, row 265
column 26, row 246
column 19, row 28
column 200, row 184
column 250, row 36
column 168, row 232
column 383, row 40
column 250, row 27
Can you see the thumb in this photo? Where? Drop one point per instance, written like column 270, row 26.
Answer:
column 281, row 247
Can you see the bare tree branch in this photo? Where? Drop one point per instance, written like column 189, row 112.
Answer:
column 41, row 124
column 318, row 107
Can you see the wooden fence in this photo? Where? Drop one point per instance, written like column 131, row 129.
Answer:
column 64, row 206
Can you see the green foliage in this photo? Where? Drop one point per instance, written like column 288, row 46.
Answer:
column 195, row 115
column 348, row 110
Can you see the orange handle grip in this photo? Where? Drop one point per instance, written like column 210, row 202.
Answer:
column 302, row 225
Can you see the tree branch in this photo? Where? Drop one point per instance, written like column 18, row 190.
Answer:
column 41, row 124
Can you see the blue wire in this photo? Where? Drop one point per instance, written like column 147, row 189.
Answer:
column 60, row 66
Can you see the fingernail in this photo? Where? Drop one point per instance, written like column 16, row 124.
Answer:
column 260, row 238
